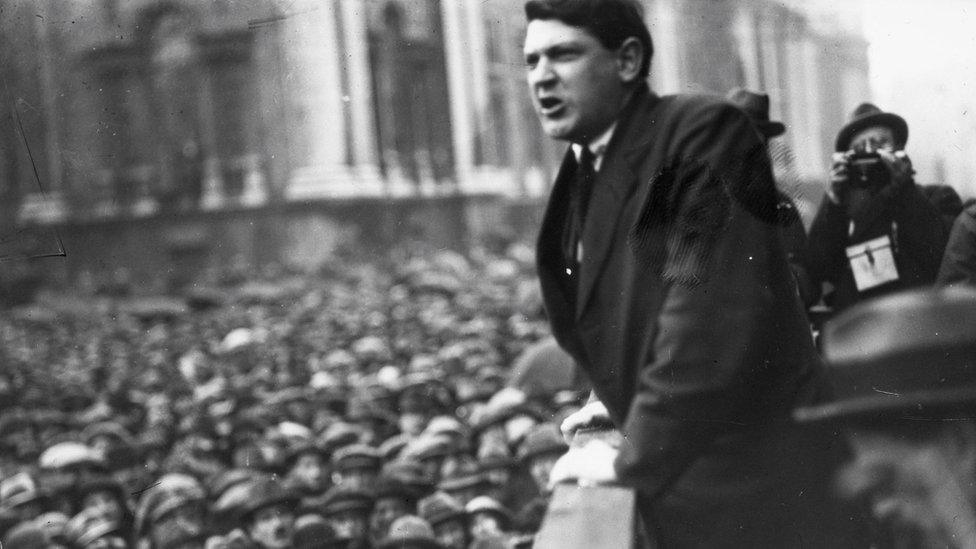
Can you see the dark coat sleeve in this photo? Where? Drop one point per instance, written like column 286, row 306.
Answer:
column 729, row 315
column 921, row 237
column 959, row 261
column 826, row 243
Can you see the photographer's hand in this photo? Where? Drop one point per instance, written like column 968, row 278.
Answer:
column 899, row 166
column 838, row 185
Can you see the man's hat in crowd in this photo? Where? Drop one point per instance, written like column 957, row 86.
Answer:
column 544, row 438
column 19, row 489
column 362, row 409
column 430, row 447
column 503, row 406
column 110, row 429
column 338, row 435
column 356, row 456
column 103, row 483
column 295, row 451
column 494, row 454
column 314, row 532
column 89, row 526
column 393, row 488
column 54, row 524
column 224, row 480
column 287, row 396
column 756, row 105
column 265, row 492
column 906, row 356
column 64, row 455
column 170, row 492
column 410, row 532
column 391, row 447
column 26, row 535
column 440, row 507
column 465, row 479
column 409, row 472
column 867, row 115
column 485, row 504
column 339, row 499
column 446, row 425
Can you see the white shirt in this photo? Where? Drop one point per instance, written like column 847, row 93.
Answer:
column 597, row 146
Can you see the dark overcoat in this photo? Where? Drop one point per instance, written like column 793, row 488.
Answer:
column 685, row 317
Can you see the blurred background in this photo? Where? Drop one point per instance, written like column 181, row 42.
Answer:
column 152, row 140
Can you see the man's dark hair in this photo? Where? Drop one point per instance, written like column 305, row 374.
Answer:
column 609, row 21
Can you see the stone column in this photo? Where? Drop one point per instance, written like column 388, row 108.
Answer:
column 769, row 57
column 810, row 50
column 51, row 196
column 313, row 54
column 360, row 97
column 212, row 197
column 662, row 19
column 255, row 192
column 478, row 63
column 458, row 79
column 745, row 37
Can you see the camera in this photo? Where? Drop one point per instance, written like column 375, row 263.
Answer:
column 866, row 170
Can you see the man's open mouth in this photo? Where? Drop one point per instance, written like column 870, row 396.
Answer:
column 550, row 106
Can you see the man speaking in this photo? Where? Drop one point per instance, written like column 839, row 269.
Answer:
column 664, row 276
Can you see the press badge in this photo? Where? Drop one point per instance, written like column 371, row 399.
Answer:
column 872, row 263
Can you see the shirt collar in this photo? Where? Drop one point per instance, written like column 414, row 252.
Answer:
column 597, row 146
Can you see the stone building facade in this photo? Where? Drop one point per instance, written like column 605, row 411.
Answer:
column 159, row 111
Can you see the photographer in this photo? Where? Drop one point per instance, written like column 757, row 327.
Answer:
column 875, row 231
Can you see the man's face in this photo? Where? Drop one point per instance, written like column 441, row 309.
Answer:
column 385, row 512
column 273, row 526
column 183, row 523
column 904, row 481
column 540, row 468
column 104, row 504
column 873, row 139
column 357, row 477
column 309, row 471
column 484, row 525
column 452, row 534
column 573, row 79
column 350, row 524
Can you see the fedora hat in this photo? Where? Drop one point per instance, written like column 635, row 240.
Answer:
column 867, row 115
column 410, row 532
column 440, row 507
column 262, row 493
column 756, row 105
column 906, row 356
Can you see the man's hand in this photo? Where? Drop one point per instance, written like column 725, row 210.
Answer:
column 899, row 166
column 837, row 188
column 592, row 415
column 588, row 466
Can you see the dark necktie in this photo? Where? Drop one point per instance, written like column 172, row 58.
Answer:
column 585, row 177
column 580, row 191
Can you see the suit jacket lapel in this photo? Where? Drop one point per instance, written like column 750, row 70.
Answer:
column 549, row 252
column 616, row 181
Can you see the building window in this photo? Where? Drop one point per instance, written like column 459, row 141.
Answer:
column 410, row 82
column 175, row 83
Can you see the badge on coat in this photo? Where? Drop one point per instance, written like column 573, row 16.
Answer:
column 872, row 263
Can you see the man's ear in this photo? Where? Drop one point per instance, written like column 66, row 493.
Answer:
column 630, row 56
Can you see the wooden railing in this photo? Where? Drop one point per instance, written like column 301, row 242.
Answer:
column 591, row 516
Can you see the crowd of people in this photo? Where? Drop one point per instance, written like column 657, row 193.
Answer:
column 372, row 404
column 415, row 400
